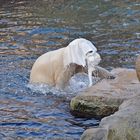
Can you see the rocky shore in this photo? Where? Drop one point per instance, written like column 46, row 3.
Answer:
column 117, row 102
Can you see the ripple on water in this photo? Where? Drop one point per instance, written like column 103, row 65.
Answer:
column 42, row 111
column 31, row 28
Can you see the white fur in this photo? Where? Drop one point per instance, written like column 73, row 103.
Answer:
column 76, row 51
column 54, row 67
column 93, row 59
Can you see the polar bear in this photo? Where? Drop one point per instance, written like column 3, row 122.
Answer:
column 55, row 68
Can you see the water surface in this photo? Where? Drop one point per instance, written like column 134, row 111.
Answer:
column 31, row 28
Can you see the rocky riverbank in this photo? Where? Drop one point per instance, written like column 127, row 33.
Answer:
column 119, row 97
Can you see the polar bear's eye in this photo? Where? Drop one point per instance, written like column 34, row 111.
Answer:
column 90, row 52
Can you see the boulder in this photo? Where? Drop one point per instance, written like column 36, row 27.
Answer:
column 138, row 67
column 106, row 96
column 122, row 125
column 118, row 101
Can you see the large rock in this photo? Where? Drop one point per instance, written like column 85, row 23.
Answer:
column 122, row 96
column 105, row 97
column 123, row 125
column 138, row 67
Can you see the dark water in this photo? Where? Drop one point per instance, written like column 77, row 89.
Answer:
column 30, row 28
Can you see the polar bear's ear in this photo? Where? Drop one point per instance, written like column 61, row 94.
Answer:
column 76, row 52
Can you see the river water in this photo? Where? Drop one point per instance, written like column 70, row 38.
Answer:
column 31, row 28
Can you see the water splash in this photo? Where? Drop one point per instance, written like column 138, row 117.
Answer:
column 79, row 82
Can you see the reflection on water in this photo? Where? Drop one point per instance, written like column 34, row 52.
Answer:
column 30, row 28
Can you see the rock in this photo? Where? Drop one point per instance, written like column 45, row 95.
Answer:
column 95, row 106
column 123, row 125
column 94, row 134
column 138, row 67
column 105, row 97
column 120, row 96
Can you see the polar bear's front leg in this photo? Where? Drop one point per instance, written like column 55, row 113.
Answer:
column 62, row 80
column 64, row 77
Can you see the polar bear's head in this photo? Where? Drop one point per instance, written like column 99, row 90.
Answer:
column 93, row 58
column 76, row 52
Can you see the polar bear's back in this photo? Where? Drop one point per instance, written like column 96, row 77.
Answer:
column 47, row 67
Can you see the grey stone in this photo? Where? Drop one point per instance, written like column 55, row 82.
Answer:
column 122, row 125
column 105, row 97
column 138, row 67
column 118, row 101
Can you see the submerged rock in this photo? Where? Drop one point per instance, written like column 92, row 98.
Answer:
column 105, row 97
column 138, row 67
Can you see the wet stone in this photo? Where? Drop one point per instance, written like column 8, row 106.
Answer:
column 104, row 98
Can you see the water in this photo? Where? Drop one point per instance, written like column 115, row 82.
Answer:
column 31, row 28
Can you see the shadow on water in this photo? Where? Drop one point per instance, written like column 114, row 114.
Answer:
column 31, row 28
